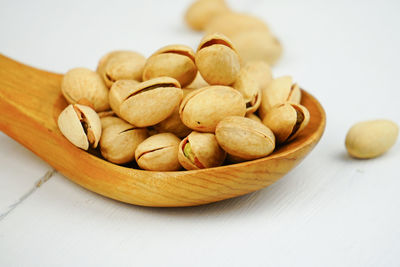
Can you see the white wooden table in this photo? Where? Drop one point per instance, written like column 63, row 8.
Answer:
column 330, row 211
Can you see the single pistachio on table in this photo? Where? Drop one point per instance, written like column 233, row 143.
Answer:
column 260, row 71
column 217, row 60
column 199, row 151
column 279, row 91
column 257, row 45
column 118, row 93
column 120, row 140
column 176, row 61
column 80, row 83
column 80, row 125
column 202, row 109
column 244, row 138
column 200, row 12
column 370, row 139
column 286, row 121
column 159, row 153
column 121, row 65
column 173, row 123
column 198, row 82
column 151, row 102
column 247, row 85
column 231, row 23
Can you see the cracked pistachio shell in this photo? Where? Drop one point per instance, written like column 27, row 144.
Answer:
column 151, row 102
column 173, row 123
column 260, row 71
column 203, row 152
column 370, row 139
column 79, row 83
column 245, row 138
column 247, row 85
column 202, row 109
column 121, row 65
column 257, row 45
column 120, row 140
column 80, row 125
column 176, row 61
column 118, row 93
column 159, row 153
column 198, row 82
column 279, row 91
column 231, row 23
column 217, row 60
column 200, row 12
column 286, row 121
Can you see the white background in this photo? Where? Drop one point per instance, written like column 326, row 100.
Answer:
column 331, row 210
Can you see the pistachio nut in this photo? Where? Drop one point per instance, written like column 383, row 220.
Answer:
column 200, row 12
column 244, row 138
column 198, row 82
column 121, row 65
column 260, row 71
column 248, row 86
column 173, row 123
column 80, row 125
column 199, row 151
column 159, row 153
column 257, row 45
column 120, row 140
column 370, row 139
column 231, row 23
column 176, row 61
column 151, row 102
column 217, row 60
column 108, row 120
column 286, row 121
column 202, row 109
column 79, row 83
column 253, row 117
column 279, row 91
column 118, row 92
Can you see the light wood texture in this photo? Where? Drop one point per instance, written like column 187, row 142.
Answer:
column 30, row 101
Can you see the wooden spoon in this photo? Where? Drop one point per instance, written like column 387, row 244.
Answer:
column 31, row 100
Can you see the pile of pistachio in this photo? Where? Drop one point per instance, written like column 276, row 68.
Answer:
column 180, row 108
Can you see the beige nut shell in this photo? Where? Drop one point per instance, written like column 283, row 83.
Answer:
column 286, row 121
column 370, row 139
column 200, row 12
column 120, row 140
column 260, row 71
column 202, row 109
column 159, row 153
column 119, row 92
column 70, row 125
column 79, row 83
column 205, row 148
column 248, row 86
column 176, row 61
column 217, row 60
column 245, row 138
column 151, row 102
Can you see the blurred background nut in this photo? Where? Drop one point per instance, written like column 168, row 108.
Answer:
column 120, row 140
column 286, row 121
column 279, row 91
column 370, row 139
column 176, row 61
column 250, row 90
column 244, row 138
column 151, row 102
column 119, row 91
column 217, row 60
column 199, row 151
column 202, row 109
column 80, row 125
column 121, row 65
column 200, row 12
column 81, row 83
column 159, row 153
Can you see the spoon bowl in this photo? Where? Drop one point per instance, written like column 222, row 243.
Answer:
column 31, row 100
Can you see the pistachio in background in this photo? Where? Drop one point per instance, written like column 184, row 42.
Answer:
column 198, row 82
column 121, row 65
column 159, row 153
column 200, row 12
column 79, row 83
column 260, row 71
column 248, row 86
column 199, row 151
column 80, row 125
